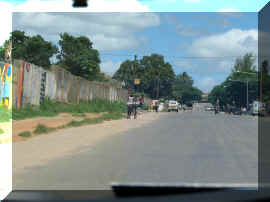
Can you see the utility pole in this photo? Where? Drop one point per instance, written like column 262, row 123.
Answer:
column 134, row 72
column 158, row 84
column 247, row 96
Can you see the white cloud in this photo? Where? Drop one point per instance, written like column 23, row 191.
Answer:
column 109, row 67
column 206, row 84
column 6, row 9
column 192, row 1
column 232, row 43
column 108, row 31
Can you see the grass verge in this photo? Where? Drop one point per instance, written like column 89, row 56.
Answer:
column 88, row 121
column 25, row 134
column 43, row 129
column 5, row 114
column 52, row 108
column 1, row 131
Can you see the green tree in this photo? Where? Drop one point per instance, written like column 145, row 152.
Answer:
column 234, row 88
column 2, row 53
column 245, row 64
column 126, row 73
column 32, row 49
column 183, row 89
column 155, row 74
column 79, row 57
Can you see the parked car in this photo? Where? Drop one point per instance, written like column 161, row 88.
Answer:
column 173, row 106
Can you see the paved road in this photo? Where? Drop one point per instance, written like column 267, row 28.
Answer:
column 179, row 147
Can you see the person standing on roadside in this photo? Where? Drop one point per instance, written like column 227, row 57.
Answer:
column 156, row 106
column 135, row 106
column 130, row 106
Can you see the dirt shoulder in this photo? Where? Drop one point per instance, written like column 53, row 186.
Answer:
column 39, row 150
column 5, row 132
column 50, row 122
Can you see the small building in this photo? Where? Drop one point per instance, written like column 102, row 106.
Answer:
column 204, row 97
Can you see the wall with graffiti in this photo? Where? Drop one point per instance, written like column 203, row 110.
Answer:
column 5, row 85
column 31, row 84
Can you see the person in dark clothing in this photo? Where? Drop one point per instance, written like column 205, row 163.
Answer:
column 135, row 105
column 156, row 106
column 130, row 106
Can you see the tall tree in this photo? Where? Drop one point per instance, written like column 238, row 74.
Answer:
column 158, row 76
column 125, row 73
column 78, row 56
column 155, row 74
column 183, row 89
column 245, row 64
column 234, row 88
column 32, row 49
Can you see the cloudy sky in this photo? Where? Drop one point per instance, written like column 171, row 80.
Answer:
column 204, row 44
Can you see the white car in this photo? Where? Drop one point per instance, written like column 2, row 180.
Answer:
column 173, row 106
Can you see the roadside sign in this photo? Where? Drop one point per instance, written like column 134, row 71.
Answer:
column 137, row 81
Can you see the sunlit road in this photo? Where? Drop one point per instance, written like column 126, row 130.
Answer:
column 179, row 147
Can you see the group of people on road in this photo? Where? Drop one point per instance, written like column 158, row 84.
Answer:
column 154, row 106
column 132, row 104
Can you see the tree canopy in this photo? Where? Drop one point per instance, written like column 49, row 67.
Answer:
column 183, row 89
column 32, row 49
column 156, row 76
column 78, row 56
column 234, row 89
column 158, row 79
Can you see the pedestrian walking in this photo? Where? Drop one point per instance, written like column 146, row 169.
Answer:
column 156, row 106
column 135, row 105
column 130, row 106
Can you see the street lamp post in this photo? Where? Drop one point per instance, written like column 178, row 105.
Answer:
column 247, row 88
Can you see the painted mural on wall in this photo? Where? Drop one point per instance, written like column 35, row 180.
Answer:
column 5, row 84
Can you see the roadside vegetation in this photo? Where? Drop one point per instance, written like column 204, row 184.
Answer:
column 52, row 108
column 25, row 134
column 5, row 114
column 42, row 129
column 233, row 90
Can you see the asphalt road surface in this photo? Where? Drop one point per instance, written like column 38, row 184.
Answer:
column 184, row 147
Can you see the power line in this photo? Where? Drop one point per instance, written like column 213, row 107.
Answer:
column 179, row 57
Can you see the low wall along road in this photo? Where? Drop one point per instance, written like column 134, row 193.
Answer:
column 31, row 84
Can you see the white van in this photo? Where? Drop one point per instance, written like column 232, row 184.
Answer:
column 173, row 106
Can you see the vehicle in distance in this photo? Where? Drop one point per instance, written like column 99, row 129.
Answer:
column 208, row 108
column 173, row 106
column 258, row 108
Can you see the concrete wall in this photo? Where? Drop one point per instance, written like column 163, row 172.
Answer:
column 32, row 83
